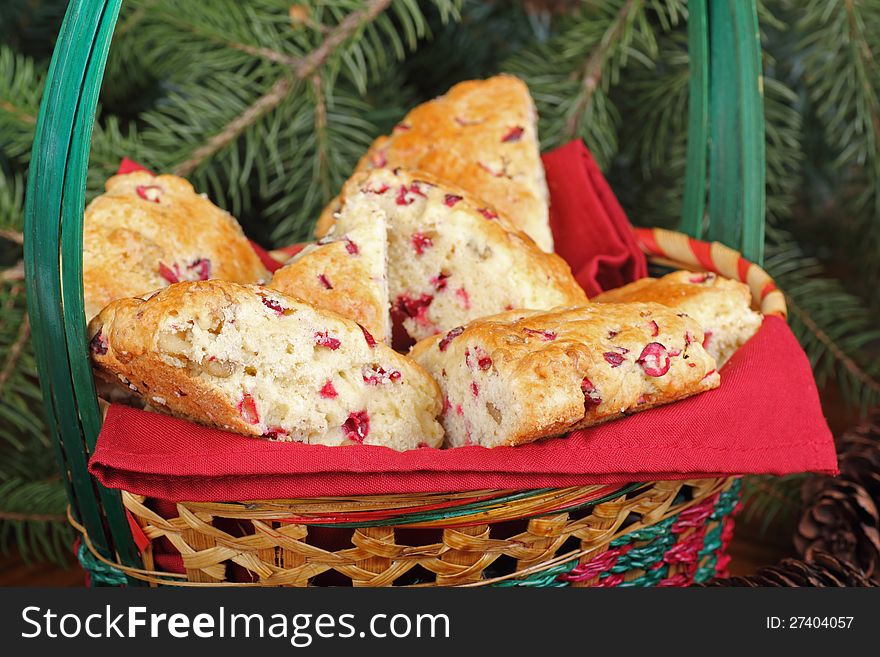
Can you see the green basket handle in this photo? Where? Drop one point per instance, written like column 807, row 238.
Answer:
column 726, row 121
column 53, row 265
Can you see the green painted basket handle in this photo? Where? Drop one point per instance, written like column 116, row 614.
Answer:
column 726, row 141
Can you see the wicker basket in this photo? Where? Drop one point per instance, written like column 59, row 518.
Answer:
column 667, row 533
column 641, row 534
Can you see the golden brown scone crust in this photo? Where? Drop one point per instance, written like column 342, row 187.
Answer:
column 148, row 345
column 721, row 306
column 524, row 375
column 130, row 240
column 482, row 137
column 345, row 271
column 547, row 270
column 452, row 259
column 351, row 291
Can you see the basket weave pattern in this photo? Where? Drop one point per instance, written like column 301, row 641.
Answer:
column 663, row 533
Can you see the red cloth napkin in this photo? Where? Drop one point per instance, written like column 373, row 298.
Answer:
column 590, row 230
column 765, row 417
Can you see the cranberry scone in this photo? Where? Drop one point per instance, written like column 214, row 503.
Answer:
column 452, row 259
column 146, row 232
column 521, row 376
column 720, row 305
column 257, row 362
column 345, row 271
column 481, row 136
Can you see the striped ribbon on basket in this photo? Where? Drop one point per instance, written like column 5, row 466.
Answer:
column 669, row 247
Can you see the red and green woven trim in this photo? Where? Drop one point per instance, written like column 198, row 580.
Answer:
column 695, row 541
column 464, row 512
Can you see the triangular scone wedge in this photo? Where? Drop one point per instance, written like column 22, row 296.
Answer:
column 521, row 376
column 345, row 272
column 720, row 305
column 450, row 259
column 258, row 362
column 481, row 136
column 146, row 232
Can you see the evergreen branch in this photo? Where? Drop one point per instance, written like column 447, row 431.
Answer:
column 836, row 351
column 12, row 235
column 259, row 108
column 347, row 27
column 303, row 68
column 22, row 115
column 15, row 351
column 592, row 71
column 321, row 135
column 14, row 516
column 14, row 273
column 865, row 58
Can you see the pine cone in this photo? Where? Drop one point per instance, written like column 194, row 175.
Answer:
column 859, row 455
column 840, row 518
column 824, row 571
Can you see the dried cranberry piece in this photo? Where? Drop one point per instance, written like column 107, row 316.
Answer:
column 150, row 193
column 439, row 281
column 688, row 337
column 379, row 159
column 351, row 247
column 275, row 433
column 325, row 282
column 375, row 375
column 369, row 190
column 451, row 199
column 273, row 305
column 449, row 337
column 323, row 339
column 421, row 242
column 515, row 134
column 371, row 341
column 405, row 195
column 708, row 374
column 416, row 309
column 546, row 336
column 706, row 336
column 247, row 409
column 612, row 334
column 655, row 328
column 402, row 127
column 98, row 344
column 474, row 389
column 170, row 274
column 613, row 358
column 489, row 214
column 357, row 426
column 328, row 391
column 459, row 410
column 462, row 294
column 702, row 278
column 201, row 268
column 654, row 359
column 484, row 362
column 591, row 395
